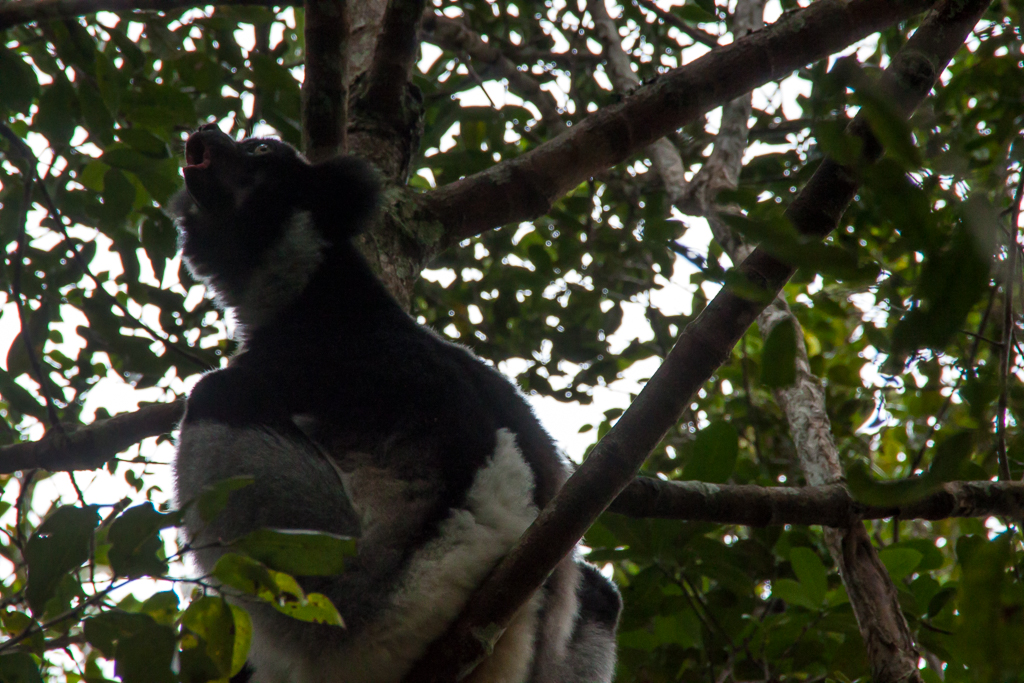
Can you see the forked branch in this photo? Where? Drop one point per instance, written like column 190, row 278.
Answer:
column 703, row 346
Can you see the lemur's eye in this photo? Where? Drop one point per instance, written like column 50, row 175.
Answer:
column 260, row 149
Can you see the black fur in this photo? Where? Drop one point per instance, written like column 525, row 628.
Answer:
column 341, row 369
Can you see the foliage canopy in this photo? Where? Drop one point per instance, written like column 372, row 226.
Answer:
column 907, row 315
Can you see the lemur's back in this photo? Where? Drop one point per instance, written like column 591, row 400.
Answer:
column 352, row 418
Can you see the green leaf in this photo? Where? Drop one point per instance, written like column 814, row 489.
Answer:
column 56, row 117
column 104, row 630
column 866, row 490
column 214, row 498
column 675, row 630
column 314, row 608
column 952, row 281
column 695, row 14
column 60, row 544
column 118, row 196
column 146, row 655
column 97, row 116
column 812, row 574
column 794, row 593
column 888, row 125
column 992, row 626
column 298, row 552
column 162, row 606
column 714, row 453
column 144, row 142
column 18, row 81
column 900, row 562
column 19, row 667
column 244, row 574
column 778, row 359
column 638, row 639
column 136, row 546
column 950, row 455
column 243, row 638
column 211, row 618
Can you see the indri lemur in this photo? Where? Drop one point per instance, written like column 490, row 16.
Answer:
column 439, row 464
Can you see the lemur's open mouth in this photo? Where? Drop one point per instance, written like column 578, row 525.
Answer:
column 197, row 153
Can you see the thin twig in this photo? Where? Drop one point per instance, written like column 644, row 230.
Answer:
column 69, row 244
column 74, row 611
column 668, row 17
column 956, row 387
column 1006, row 352
column 16, row 270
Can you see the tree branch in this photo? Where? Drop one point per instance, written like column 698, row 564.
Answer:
column 25, row 11
column 830, row 505
column 324, row 88
column 525, row 187
column 454, row 36
column 93, row 445
column 873, row 597
column 394, row 58
column 703, row 346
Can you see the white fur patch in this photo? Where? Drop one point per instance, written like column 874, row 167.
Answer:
column 438, row 581
column 287, row 268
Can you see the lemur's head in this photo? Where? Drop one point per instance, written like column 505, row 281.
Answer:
column 256, row 219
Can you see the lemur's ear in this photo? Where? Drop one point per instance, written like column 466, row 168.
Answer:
column 342, row 193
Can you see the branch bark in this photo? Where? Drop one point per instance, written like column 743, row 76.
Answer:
column 325, row 85
column 453, row 36
column 91, row 446
column 525, row 187
column 830, row 505
column 887, row 637
column 703, row 346
column 394, row 57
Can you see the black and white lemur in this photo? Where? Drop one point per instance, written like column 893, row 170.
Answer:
column 439, row 464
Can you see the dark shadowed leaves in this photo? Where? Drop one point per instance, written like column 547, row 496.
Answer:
column 142, row 648
column 992, row 607
column 136, row 547
column 778, row 358
column 950, row 457
column 714, row 453
column 951, row 282
column 19, row 667
column 60, row 545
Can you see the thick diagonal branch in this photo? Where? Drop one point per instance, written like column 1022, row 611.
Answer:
column 703, row 346
column 524, row 187
column 887, row 638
